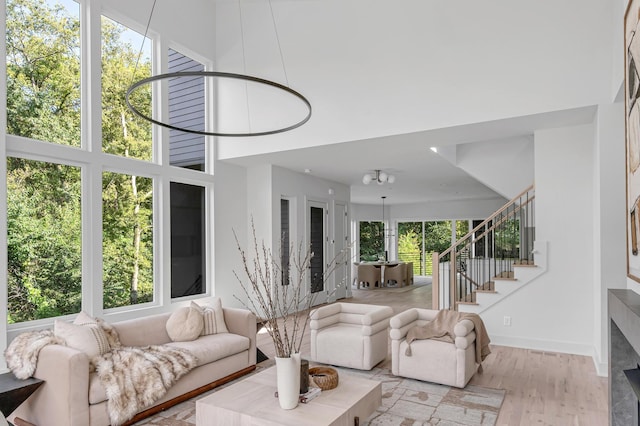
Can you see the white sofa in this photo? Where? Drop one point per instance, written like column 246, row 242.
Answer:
column 72, row 396
column 431, row 360
column 350, row 335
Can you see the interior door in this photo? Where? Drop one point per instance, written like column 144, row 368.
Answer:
column 317, row 236
column 340, row 244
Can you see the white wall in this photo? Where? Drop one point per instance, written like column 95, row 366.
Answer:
column 506, row 166
column 609, row 264
column 473, row 209
column 511, row 59
column 230, row 215
column 556, row 311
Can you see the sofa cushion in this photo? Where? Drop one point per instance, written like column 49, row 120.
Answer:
column 185, row 324
column 97, row 393
column 84, row 334
column 214, row 347
column 213, row 317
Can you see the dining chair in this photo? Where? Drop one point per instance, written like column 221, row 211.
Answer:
column 409, row 276
column 395, row 272
column 368, row 275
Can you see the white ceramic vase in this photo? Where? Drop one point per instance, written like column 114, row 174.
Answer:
column 288, row 373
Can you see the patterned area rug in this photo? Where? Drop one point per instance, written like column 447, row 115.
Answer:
column 405, row 402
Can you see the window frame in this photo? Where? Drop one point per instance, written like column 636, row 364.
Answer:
column 93, row 162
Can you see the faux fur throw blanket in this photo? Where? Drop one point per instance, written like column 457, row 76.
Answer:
column 22, row 353
column 442, row 326
column 133, row 377
column 136, row 377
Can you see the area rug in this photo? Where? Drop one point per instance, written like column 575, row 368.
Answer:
column 408, row 402
column 405, row 402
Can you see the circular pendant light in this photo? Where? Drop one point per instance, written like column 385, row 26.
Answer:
column 217, row 74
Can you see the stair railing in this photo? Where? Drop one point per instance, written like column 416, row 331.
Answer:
column 488, row 251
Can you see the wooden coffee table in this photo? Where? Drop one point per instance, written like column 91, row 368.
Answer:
column 251, row 401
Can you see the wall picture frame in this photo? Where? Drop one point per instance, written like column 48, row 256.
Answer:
column 632, row 133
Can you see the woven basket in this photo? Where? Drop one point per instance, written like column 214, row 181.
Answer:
column 324, row 377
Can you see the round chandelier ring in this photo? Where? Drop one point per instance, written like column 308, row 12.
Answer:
column 250, row 78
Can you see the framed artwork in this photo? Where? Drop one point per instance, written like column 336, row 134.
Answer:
column 632, row 133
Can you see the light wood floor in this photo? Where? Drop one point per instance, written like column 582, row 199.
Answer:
column 543, row 388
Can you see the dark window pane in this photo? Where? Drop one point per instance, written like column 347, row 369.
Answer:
column 187, row 240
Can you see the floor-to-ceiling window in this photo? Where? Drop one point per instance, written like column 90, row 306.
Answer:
column 102, row 214
column 418, row 240
column 371, row 241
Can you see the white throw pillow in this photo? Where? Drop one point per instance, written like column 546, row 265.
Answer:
column 213, row 317
column 84, row 334
column 185, row 324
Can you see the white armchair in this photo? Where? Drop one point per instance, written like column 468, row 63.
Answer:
column 350, row 335
column 432, row 360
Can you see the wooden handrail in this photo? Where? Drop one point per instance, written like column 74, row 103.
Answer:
column 497, row 212
column 513, row 209
column 491, row 228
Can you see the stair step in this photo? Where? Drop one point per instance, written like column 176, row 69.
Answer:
column 525, row 265
column 467, row 303
column 489, row 286
column 505, row 276
column 486, row 291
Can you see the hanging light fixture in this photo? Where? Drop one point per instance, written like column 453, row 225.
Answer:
column 221, row 75
column 379, row 177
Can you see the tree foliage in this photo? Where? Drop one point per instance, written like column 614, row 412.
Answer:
column 371, row 241
column 43, row 201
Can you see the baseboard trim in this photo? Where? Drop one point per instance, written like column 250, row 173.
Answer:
column 543, row 345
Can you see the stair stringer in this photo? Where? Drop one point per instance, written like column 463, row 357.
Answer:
column 523, row 275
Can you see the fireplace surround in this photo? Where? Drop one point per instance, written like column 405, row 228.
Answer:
column 624, row 357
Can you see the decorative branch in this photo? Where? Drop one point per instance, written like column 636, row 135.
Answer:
column 278, row 304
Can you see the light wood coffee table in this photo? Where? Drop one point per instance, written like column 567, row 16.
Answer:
column 251, row 401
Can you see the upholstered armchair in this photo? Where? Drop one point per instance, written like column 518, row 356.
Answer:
column 350, row 335
column 432, row 360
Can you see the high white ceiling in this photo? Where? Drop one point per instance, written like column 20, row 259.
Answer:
column 388, row 79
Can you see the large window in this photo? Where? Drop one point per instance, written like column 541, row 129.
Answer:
column 127, row 239
column 43, row 71
column 44, row 240
column 371, row 241
column 188, row 226
column 122, row 132
column 417, row 241
column 186, row 111
column 91, row 198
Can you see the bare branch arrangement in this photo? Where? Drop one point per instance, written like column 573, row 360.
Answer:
column 277, row 301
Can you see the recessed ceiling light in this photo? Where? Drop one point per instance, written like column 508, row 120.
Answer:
column 434, row 149
column 307, row 170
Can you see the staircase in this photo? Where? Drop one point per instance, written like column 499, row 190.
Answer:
column 495, row 259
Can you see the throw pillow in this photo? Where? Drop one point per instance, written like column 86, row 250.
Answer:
column 185, row 324
column 84, row 334
column 213, row 317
